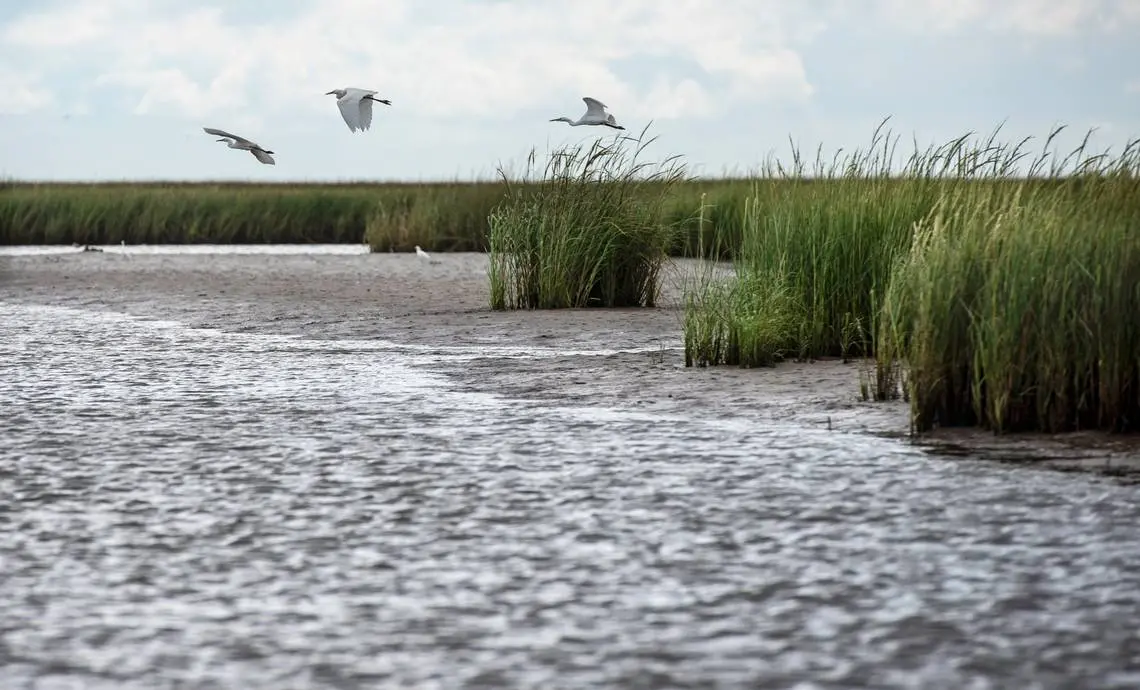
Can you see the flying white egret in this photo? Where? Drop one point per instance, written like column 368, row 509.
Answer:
column 595, row 115
column 356, row 106
column 236, row 142
column 421, row 253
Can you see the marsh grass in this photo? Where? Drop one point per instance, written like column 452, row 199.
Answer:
column 816, row 245
column 446, row 218
column 827, row 235
column 158, row 213
column 437, row 216
column 988, row 292
column 1016, row 308
column 588, row 229
column 390, row 216
column 744, row 317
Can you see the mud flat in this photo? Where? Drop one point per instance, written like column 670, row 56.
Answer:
column 624, row 357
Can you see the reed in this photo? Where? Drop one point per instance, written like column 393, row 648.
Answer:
column 822, row 238
column 991, row 288
column 746, row 317
column 589, row 229
column 831, row 231
column 1016, row 307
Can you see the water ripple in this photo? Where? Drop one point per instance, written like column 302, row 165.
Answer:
column 191, row 508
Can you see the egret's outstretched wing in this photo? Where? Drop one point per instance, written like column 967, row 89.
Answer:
column 365, row 109
column 263, row 156
column 350, row 111
column 595, row 108
column 223, row 133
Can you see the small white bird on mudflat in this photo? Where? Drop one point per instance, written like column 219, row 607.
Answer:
column 356, row 106
column 595, row 115
column 236, row 142
column 421, row 253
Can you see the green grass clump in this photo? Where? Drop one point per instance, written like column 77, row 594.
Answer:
column 591, row 231
column 823, row 241
column 830, row 236
column 1017, row 307
column 747, row 318
column 987, row 294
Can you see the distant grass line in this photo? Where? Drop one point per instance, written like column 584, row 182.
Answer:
column 438, row 216
column 442, row 216
column 390, row 216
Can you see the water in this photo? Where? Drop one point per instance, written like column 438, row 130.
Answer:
column 189, row 508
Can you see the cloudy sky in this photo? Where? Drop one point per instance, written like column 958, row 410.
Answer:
column 119, row 89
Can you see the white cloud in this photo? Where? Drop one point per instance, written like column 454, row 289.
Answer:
column 1032, row 17
column 474, row 82
column 70, row 25
column 171, row 87
column 18, row 95
column 480, row 59
column 454, row 59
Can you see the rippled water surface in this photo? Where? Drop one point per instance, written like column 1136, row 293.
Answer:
column 187, row 508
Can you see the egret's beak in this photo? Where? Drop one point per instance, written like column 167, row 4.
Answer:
column 330, row 93
column 221, row 140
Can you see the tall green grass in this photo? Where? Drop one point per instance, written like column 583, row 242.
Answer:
column 590, row 229
column 1018, row 307
column 989, row 292
column 816, row 247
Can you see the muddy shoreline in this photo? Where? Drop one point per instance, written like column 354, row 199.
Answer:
column 403, row 299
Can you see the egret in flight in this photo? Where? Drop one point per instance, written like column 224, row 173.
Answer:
column 356, row 106
column 236, row 142
column 595, row 115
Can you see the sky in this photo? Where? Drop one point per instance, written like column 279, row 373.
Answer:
column 120, row 89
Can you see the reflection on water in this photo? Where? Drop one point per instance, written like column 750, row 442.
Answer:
column 192, row 508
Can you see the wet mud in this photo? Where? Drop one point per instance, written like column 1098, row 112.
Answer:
column 345, row 292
